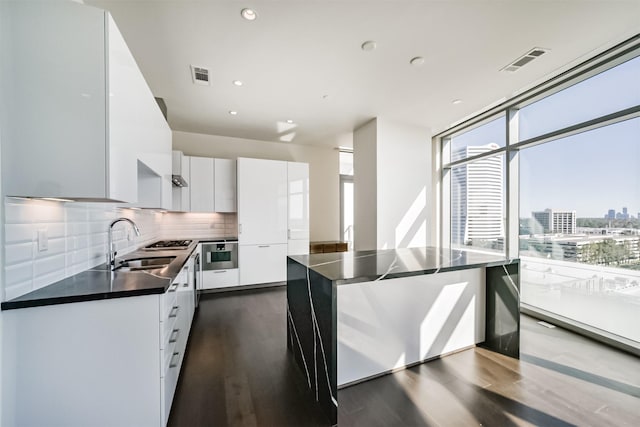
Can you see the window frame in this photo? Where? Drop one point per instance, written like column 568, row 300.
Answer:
column 613, row 57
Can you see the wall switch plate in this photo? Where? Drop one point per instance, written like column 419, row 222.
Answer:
column 43, row 240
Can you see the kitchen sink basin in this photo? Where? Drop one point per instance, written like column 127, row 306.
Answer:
column 143, row 263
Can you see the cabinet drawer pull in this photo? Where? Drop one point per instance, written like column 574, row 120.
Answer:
column 264, row 246
column 174, row 335
column 185, row 285
column 173, row 287
column 219, row 271
column 174, row 311
column 173, row 364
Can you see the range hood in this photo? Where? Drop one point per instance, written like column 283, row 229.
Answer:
column 176, row 177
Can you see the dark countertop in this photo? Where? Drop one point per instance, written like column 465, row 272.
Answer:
column 365, row 266
column 100, row 282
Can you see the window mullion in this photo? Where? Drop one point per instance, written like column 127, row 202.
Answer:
column 512, row 220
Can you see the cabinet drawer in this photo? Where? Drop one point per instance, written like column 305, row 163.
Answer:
column 168, row 300
column 212, row 279
column 168, row 386
column 169, row 358
column 169, row 332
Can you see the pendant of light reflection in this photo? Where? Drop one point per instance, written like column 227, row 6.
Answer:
column 286, row 130
column 411, row 230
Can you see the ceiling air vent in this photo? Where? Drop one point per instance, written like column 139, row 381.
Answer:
column 534, row 53
column 200, row 75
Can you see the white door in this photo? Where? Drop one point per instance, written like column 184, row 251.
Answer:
column 262, row 201
column 298, row 208
column 262, row 263
column 201, row 184
column 225, row 185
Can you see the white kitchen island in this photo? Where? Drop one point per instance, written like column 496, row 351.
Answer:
column 357, row 315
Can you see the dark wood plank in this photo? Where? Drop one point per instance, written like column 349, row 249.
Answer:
column 237, row 371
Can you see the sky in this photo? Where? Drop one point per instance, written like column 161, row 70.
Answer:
column 590, row 172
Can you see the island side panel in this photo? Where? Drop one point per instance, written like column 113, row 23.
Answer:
column 388, row 324
column 311, row 333
column 503, row 309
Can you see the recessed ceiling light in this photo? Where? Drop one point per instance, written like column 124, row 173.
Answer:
column 237, row 82
column 290, row 121
column 249, row 14
column 417, row 61
column 368, row 45
column 456, row 101
column 233, row 113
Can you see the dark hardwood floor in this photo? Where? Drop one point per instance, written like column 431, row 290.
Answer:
column 237, row 372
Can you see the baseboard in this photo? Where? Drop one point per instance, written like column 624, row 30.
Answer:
column 595, row 334
column 244, row 287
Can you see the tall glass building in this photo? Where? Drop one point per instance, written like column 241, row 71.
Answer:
column 477, row 198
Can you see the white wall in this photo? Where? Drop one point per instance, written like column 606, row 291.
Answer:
column 365, row 186
column 324, row 201
column 393, row 185
column 404, row 185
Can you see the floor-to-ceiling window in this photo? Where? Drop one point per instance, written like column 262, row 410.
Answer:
column 553, row 177
column 346, row 197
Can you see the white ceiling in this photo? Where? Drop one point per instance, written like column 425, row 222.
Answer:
column 297, row 52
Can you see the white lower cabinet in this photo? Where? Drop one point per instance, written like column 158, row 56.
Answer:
column 262, row 263
column 179, row 307
column 111, row 362
column 213, row 279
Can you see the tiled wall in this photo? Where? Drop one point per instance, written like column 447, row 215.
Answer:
column 177, row 225
column 77, row 237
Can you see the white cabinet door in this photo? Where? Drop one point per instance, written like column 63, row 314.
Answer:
column 101, row 118
column 262, row 263
column 139, row 136
column 213, row 279
column 185, row 194
column 55, row 128
column 262, row 201
column 113, row 352
column 201, row 184
column 298, row 208
column 225, row 185
column 181, row 195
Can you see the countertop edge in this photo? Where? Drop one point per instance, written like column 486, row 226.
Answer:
column 12, row 305
column 421, row 272
column 98, row 296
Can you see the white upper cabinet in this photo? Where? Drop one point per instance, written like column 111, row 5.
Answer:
column 201, row 184
column 137, row 128
column 225, row 185
column 81, row 115
column 211, row 185
column 181, row 195
column 262, row 201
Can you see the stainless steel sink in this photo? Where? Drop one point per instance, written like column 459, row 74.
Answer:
column 143, row 263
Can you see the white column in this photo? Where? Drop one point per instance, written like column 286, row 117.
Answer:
column 393, row 190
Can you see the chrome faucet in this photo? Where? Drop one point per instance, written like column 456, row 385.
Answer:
column 113, row 253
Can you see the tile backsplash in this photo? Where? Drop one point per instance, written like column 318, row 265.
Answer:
column 46, row 241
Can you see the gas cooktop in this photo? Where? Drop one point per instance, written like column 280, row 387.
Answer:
column 162, row 245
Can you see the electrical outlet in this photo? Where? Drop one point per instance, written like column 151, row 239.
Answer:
column 43, row 240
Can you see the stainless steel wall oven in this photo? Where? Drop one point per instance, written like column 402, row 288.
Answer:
column 219, row 256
